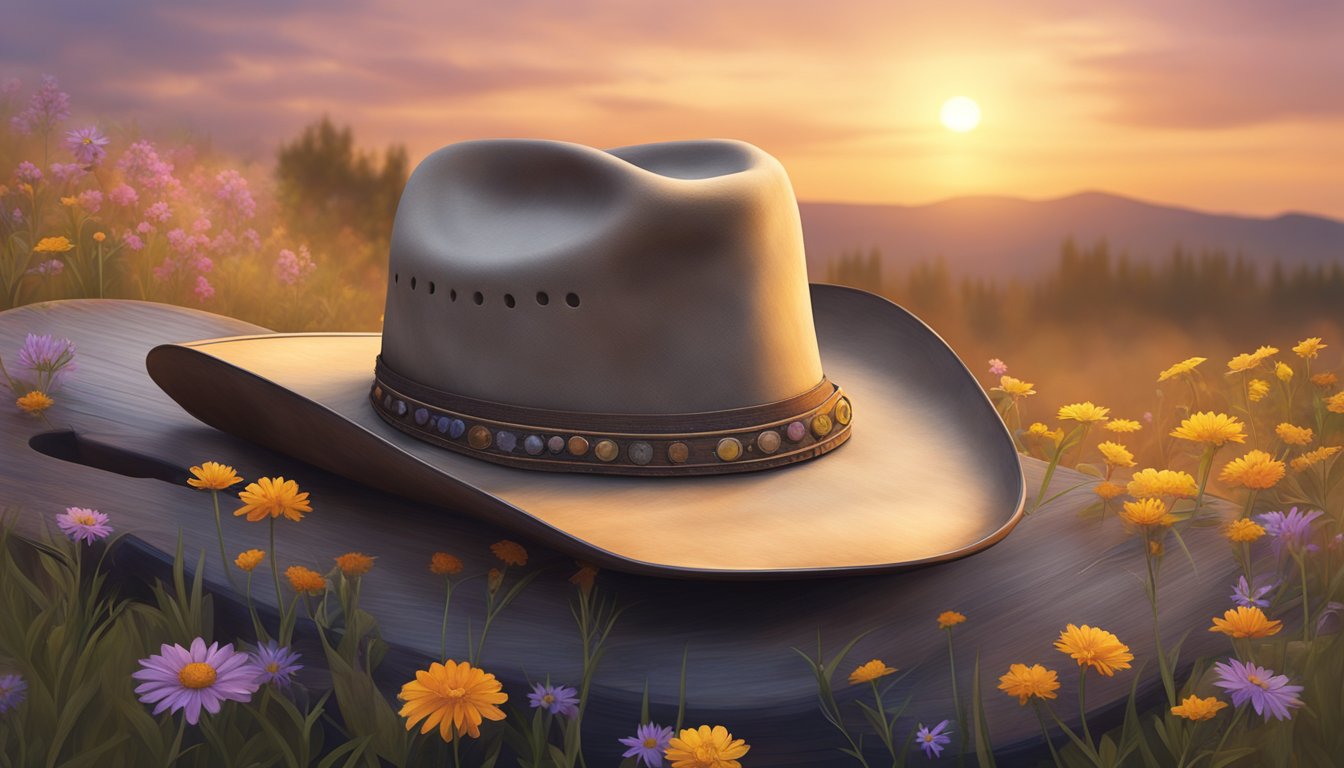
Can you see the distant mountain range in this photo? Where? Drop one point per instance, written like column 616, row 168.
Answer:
column 1006, row 237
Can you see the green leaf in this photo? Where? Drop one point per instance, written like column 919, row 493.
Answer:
column 984, row 750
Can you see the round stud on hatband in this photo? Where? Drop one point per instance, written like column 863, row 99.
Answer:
column 844, row 412
column 728, row 449
column 678, row 453
column 506, row 441
column 768, row 441
column 606, row 450
column 479, row 437
column 821, row 425
column 640, row 452
column 534, row 445
column 578, row 445
column 796, row 431
column 556, row 444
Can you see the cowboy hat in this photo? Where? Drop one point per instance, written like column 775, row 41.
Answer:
column 618, row 353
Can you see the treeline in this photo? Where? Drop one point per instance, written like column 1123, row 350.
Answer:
column 1092, row 285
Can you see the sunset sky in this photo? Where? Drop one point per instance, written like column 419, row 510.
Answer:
column 1222, row 105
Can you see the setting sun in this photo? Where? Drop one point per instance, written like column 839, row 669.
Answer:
column 960, row 114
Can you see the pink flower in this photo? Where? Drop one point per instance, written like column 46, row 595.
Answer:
column 143, row 166
column 91, row 200
column 132, row 241
column 253, row 239
column 159, row 212
column 144, row 228
column 997, row 367
column 204, row 291
column 233, row 192
column 88, row 525
column 124, row 195
column 200, row 226
column 291, row 268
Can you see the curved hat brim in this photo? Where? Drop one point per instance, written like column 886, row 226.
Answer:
column 929, row 474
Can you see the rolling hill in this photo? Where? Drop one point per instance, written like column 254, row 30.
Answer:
column 1006, row 237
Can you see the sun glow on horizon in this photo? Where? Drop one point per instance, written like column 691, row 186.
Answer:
column 960, row 114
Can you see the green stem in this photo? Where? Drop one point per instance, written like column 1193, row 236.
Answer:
column 1082, row 707
column 1045, row 731
column 956, row 698
column 252, row 611
column 443, row 631
column 1306, row 609
column 1168, row 682
column 882, row 715
column 219, row 530
column 1226, row 732
column 1045, row 481
column 275, row 576
column 1205, row 469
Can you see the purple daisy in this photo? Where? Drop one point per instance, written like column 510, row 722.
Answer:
column 648, row 744
column 1269, row 694
column 1246, row 596
column 80, row 523
column 177, row 678
column 12, row 692
column 1290, row 531
column 86, row 144
column 276, row 665
column 556, row 699
column 47, row 358
column 933, row 741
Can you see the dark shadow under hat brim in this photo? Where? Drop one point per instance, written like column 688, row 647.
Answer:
column 929, row 473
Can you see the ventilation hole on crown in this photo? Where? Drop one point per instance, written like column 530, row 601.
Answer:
column 542, row 298
column 508, row 300
column 412, row 283
column 396, row 278
column 431, row 287
column 572, row 299
column 478, row 297
column 452, row 294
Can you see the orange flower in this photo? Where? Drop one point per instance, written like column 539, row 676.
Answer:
column 305, row 580
column 1108, row 490
column 584, row 578
column 950, row 619
column 249, row 559
column 1024, row 682
column 444, row 564
column 213, row 476
column 1094, row 647
column 273, row 497
column 512, row 553
column 865, row 673
column 35, row 402
column 354, row 564
column 1246, row 622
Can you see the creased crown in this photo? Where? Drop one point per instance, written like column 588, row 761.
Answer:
column 652, row 279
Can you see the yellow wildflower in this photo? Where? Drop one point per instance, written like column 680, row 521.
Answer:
column 1243, row 530
column 1195, row 708
column 250, row 559
column 1283, row 371
column 1185, row 366
column 1083, row 412
column 1324, row 380
column 1335, row 403
column 453, row 697
column 444, row 564
column 35, row 402
column 354, row 564
column 53, row 245
column 1293, row 434
column 1152, row 483
column 1037, row 429
column 510, row 552
column 1242, row 362
column 1256, row 390
column 950, row 619
column 1308, row 349
column 1116, row 454
column 1314, row 457
column 1246, row 622
column 1155, row 548
column 305, row 580
column 1094, row 647
column 1264, row 353
column 1024, row 682
column 1108, row 490
column 273, row 497
column 705, row 747
column 1146, row 512
column 1123, row 425
column 1256, row 470
column 213, row 476
column 1211, row 428
column 870, row 671
column 70, row 202
column 1015, row 387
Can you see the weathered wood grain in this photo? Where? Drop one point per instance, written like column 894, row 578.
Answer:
column 1054, row 568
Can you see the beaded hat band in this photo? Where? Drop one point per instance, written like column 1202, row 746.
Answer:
column 720, row 442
